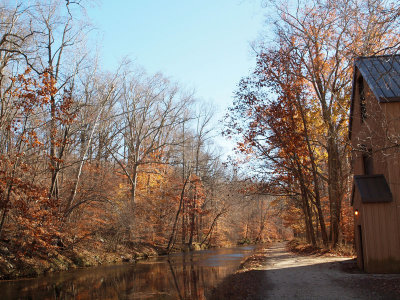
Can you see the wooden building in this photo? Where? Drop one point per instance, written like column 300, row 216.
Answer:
column 374, row 130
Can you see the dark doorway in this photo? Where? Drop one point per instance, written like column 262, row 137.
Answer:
column 361, row 247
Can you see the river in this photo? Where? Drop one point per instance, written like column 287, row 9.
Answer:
column 191, row 275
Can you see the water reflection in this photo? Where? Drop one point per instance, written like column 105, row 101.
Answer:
column 180, row 276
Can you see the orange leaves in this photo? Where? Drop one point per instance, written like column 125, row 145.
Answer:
column 31, row 97
column 37, row 102
column 33, row 217
column 64, row 113
column 31, row 92
column 196, row 195
column 49, row 85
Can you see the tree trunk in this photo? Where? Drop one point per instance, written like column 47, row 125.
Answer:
column 334, row 187
column 315, row 176
column 53, row 193
column 181, row 200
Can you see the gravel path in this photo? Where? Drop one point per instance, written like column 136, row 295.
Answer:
column 275, row 273
column 290, row 276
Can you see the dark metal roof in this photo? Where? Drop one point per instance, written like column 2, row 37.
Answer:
column 382, row 73
column 373, row 188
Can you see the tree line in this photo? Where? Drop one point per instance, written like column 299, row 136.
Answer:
column 106, row 157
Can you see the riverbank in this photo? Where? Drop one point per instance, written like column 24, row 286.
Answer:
column 14, row 265
column 248, row 281
column 184, row 275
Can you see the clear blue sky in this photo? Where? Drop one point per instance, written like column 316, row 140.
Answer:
column 201, row 44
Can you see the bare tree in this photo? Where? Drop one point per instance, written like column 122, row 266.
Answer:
column 151, row 109
column 60, row 34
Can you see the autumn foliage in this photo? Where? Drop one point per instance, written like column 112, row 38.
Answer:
column 96, row 163
column 290, row 116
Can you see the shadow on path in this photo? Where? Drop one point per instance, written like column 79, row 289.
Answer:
column 244, row 285
column 284, row 275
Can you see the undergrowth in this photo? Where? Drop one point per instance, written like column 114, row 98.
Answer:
column 302, row 247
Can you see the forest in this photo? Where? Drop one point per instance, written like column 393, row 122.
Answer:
column 98, row 161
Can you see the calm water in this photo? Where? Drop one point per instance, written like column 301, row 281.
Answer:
column 181, row 276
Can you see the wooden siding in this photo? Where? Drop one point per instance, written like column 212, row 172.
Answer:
column 380, row 222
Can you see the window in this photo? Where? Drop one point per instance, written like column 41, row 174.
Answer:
column 361, row 93
column 368, row 162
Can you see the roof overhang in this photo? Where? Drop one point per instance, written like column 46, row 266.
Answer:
column 373, row 188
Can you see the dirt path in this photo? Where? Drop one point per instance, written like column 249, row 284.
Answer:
column 274, row 273
column 290, row 276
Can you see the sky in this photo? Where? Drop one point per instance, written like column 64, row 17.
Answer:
column 203, row 45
